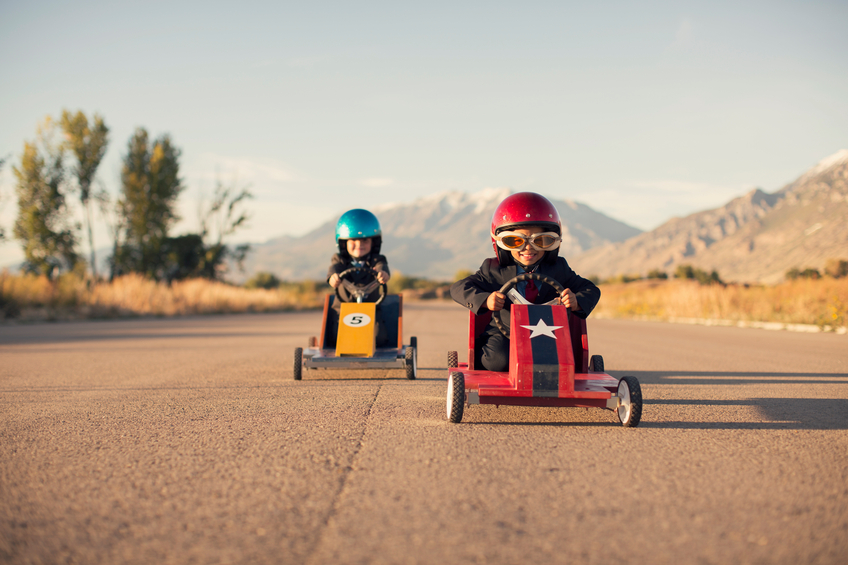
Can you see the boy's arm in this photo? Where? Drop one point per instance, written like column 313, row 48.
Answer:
column 473, row 291
column 382, row 265
column 585, row 291
column 336, row 266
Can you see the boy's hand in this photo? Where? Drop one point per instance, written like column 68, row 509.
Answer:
column 383, row 277
column 495, row 301
column 569, row 299
column 334, row 281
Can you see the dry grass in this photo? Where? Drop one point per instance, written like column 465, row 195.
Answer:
column 27, row 298
column 822, row 302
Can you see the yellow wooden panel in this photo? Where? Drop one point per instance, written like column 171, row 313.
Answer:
column 357, row 334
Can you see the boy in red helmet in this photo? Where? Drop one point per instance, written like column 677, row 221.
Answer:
column 526, row 234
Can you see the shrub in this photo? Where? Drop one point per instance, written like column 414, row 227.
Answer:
column 690, row 272
column 619, row 279
column 263, row 280
column 795, row 273
column 836, row 268
column 400, row 282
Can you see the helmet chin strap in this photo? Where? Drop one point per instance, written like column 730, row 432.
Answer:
column 530, row 268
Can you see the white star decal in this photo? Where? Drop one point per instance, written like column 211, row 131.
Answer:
column 541, row 328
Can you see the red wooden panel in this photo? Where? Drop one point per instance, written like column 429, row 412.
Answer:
column 565, row 351
column 477, row 324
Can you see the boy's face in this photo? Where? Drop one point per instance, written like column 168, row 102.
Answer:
column 528, row 255
column 359, row 247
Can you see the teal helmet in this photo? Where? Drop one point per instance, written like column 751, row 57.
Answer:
column 355, row 224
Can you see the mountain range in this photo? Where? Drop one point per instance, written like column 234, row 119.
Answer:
column 433, row 237
column 754, row 238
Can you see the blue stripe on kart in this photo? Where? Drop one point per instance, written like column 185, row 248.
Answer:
column 545, row 358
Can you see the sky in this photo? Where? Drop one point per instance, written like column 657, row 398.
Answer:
column 642, row 110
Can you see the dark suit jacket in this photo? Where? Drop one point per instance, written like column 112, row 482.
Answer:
column 473, row 291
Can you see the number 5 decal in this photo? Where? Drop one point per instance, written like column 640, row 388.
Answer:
column 357, row 320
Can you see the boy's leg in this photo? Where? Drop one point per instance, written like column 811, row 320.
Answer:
column 493, row 352
column 382, row 336
column 332, row 328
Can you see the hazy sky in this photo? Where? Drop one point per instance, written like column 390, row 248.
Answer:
column 643, row 110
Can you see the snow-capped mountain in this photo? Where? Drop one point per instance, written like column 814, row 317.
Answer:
column 434, row 237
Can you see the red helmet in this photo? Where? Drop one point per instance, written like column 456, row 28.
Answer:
column 524, row 209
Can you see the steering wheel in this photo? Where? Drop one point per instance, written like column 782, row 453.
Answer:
column 508, row 285
column 357, row 291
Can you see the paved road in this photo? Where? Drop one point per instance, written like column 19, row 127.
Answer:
column 186, row 441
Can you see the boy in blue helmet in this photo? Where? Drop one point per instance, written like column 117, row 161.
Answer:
column 359, row 239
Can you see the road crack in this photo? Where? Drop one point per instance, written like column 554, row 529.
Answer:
column 346, row 473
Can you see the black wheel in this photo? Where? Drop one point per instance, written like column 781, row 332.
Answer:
column 413, row 342
column 514, row 281
column 411, row 363
column 629, row 409
column 298, row 363
column 596, row 364
column 456, row 397
column 453, row 359
column 360, row 291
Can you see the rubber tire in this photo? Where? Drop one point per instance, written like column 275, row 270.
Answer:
column 596, row 364
column 453, row 360
column 630, row 418
column 413, row 342
column 298, row 363
column 411, row 363
column 456, row 397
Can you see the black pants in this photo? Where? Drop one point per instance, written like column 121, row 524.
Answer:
column 492, row 351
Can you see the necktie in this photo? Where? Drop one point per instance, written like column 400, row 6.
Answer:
column 531, row 292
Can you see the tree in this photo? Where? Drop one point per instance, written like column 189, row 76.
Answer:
column 150, row 186
column 112, row 213
column 2, row 231
column 183, row 257
column 88, row 144
column 222, row 219
column 42, row 224
column 204, row 254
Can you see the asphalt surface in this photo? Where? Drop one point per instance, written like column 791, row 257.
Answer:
column 187, row 441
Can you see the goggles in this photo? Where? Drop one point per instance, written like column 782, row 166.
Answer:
column 514, row 241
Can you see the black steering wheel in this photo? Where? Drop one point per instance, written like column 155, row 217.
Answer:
column 358, row 291
column 508, row 285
